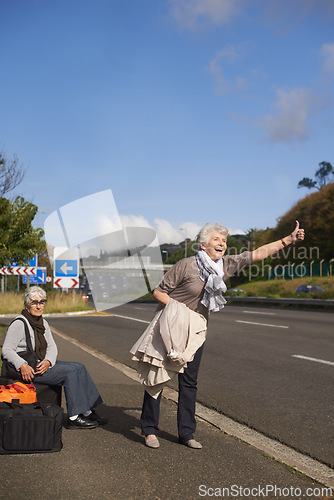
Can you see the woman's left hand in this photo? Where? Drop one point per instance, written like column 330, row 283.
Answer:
column 42, row 367
column 298, row 234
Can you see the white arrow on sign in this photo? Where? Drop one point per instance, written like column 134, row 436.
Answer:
column 64, row 268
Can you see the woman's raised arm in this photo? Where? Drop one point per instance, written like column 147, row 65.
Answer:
column 264, row 251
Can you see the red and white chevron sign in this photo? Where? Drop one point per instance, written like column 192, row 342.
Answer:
column 18, row 271
column 66, row 283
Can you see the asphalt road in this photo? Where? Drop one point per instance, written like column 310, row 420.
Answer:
column 248, row 370
column 111, row 462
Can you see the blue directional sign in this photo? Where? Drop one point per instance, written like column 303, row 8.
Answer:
column 29, row 263
column 39, row 279
column 33, row 262
column 66, row 268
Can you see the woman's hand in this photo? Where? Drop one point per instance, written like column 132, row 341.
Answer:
column 298, row 234
column 42, row 367
column 27, row 372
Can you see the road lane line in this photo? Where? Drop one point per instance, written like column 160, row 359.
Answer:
column 313, row 359
column 278, row 451
column 261, row 324
column 129, row 317
column 259, row 312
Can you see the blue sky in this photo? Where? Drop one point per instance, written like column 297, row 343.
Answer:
column 188, row 110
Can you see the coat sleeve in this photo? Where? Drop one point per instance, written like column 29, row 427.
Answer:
column 51, row 350
column 15, row 341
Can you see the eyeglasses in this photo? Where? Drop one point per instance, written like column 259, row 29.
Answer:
column 38, row 302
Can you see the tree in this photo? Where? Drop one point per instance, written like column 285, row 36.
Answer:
column 316, row 215
column 19, row 241
column 322, row 177
column 11, row 174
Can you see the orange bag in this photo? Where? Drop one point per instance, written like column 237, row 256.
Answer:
column 25, row 393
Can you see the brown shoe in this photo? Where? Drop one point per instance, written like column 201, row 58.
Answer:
column 152, row 443
column 192, row 443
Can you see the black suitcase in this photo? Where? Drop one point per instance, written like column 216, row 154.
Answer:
column 30, row 428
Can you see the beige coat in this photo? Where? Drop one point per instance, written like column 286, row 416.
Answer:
column 168, row 343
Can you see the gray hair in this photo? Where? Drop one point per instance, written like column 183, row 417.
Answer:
column 32, row 292
column 204, row 234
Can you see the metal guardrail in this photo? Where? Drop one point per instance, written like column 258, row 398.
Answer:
column 289, row 301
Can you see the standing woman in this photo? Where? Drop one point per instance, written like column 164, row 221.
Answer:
column 80, row 391
column 198, row 282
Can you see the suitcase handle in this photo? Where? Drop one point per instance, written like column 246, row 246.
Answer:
column 19, row 406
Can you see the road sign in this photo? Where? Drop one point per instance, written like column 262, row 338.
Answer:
column 66, row 283
column 66, row 262
column 28, row 263
column 39, row 279
column 18, row 271
column 66, row 268
column 33, row 262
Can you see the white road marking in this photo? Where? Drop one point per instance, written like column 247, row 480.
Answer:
column 261, row 324
column 129, row 317
column 313, row 359
column 260, row 312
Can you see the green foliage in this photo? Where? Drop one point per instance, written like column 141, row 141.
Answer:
column 236, row 244
column 315, row 213
column 19, row 241
column 180, row 254
column 307, row 182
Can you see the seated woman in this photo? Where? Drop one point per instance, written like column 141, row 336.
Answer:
column 80, row 391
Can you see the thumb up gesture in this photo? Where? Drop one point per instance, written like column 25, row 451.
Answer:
column 298, row 234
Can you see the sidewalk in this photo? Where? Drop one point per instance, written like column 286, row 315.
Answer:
column 112, row 462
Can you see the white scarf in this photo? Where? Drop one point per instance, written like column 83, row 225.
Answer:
column 212, row 273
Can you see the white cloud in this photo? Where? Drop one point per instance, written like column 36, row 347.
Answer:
column 290, row 123
column 189, row 230
column 327, row 51
column 233, row 230
column 282, row 15
column 190, row 14
column 166, row 232
column 223, row 85
column 134, row 221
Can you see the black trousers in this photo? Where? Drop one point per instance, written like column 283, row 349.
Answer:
column 186, row 422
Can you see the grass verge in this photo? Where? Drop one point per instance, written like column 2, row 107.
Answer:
column 12, row 303
column 286, row 288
